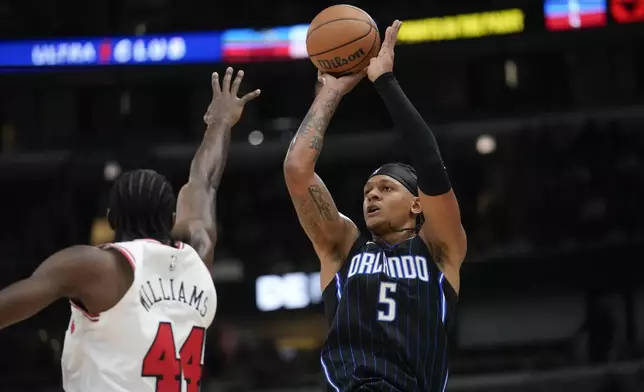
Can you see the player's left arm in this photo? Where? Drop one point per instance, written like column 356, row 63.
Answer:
column 196, row 220
column 74, row 272
column 442, row 230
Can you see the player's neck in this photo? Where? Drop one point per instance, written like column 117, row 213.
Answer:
column 395, row 237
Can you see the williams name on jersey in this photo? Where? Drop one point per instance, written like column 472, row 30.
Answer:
column 167, row 290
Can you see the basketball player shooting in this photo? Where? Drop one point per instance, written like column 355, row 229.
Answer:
column 140, row 306
column 389, row 298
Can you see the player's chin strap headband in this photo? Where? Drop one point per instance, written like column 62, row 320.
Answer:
column 408, row 179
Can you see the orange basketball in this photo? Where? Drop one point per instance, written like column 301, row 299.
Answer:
column 341, row 39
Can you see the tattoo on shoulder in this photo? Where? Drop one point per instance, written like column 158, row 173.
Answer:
column 320, row 197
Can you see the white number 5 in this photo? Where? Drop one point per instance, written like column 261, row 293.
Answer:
column 390, row 313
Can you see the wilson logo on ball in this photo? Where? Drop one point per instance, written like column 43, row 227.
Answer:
column 338, row 62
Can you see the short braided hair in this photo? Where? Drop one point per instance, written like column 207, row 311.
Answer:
column 142, row 205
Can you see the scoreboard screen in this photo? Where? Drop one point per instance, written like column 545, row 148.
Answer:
column 574, row 14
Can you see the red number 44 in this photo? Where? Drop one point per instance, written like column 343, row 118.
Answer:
column 161, row 360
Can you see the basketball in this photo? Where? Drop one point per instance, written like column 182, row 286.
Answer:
column 341, row 39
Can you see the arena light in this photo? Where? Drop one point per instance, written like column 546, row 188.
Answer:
column 474, row 25
column 511, row 72
column 485, row 144
column 111, row 171
column 256, row 137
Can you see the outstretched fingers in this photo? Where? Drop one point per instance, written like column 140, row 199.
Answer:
column 250, row 96
column 231, row 89
column 236, row 83
column 214, row 80
column 227, row 78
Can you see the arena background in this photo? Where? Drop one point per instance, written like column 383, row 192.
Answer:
column 538, row 108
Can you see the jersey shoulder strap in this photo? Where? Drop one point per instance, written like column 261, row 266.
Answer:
column 131, row 250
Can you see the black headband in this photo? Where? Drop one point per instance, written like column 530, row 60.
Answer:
column 401, row 174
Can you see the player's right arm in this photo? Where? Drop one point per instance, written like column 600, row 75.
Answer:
column 77, row 272
column 196, row 221
column 331, row 233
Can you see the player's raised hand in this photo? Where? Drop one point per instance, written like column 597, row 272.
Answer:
column 226, row 106
column 343, row 84
column 384, row 62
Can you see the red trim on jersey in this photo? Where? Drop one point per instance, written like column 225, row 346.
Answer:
column 126, row 253
column 91, row 317
column 180, row 244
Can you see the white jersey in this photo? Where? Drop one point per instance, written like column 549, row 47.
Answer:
column 153, row 339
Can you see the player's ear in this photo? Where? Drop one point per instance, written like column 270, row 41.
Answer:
column 416, row 208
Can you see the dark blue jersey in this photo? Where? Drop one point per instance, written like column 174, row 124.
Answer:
column 390, row 312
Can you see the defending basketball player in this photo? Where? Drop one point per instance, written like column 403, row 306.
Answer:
column 140, row 306
column 390, row 297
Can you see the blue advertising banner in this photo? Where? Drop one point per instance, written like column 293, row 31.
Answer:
column 144, row 50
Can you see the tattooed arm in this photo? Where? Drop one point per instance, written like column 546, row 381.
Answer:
column 331, row 233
